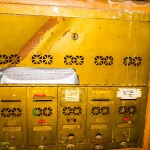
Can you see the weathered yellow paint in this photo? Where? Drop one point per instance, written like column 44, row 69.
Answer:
column 52, row 10
column 51, row 37
column 16, row 30
column 100, row 32
column 96, row 37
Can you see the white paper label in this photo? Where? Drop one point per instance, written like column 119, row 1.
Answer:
column 128, row 93
column 72, row 95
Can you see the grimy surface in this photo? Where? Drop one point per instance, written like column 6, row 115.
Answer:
column 107, row 43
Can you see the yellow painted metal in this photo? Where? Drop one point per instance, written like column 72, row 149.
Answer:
column 77, row 32
column 17, row 30
column 59, row 116
column 42, row 108
column 13, row 102
column 71, row 114
column 96, row 37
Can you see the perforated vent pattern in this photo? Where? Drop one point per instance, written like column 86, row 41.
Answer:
column 123, row 109
column 101, row 60
column 68, row 60
column 42, row 59
column 102, row 110
column 4, row 59
column 72, row 111
column 105, row 110
column 96, row 111
column 11, row 112
column 127, row 109
column 6, row 112
column 132, row 61
column 13, row 59
column 47, row 59
column 47, row 111
column 71, row 60
column 76, row 60
column 36, row 59
column 76, row 110
column 16, row 112
column 131, row 110
column 137, row 61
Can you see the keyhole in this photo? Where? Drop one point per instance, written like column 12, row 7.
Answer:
column 74, row 36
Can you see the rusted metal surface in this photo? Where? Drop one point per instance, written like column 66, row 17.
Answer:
column 45, row 32
column 34, row 41
column 103, row 4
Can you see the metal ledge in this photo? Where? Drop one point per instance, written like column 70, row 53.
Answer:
column 75, row 8
column 102, row 4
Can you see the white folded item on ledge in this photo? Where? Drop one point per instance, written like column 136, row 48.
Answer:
column 23, row 75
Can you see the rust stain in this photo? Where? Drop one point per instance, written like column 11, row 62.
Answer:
column 66, row 32
column 35, row 39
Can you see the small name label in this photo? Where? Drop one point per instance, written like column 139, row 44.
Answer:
column 129, row 93
column 72, row 95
